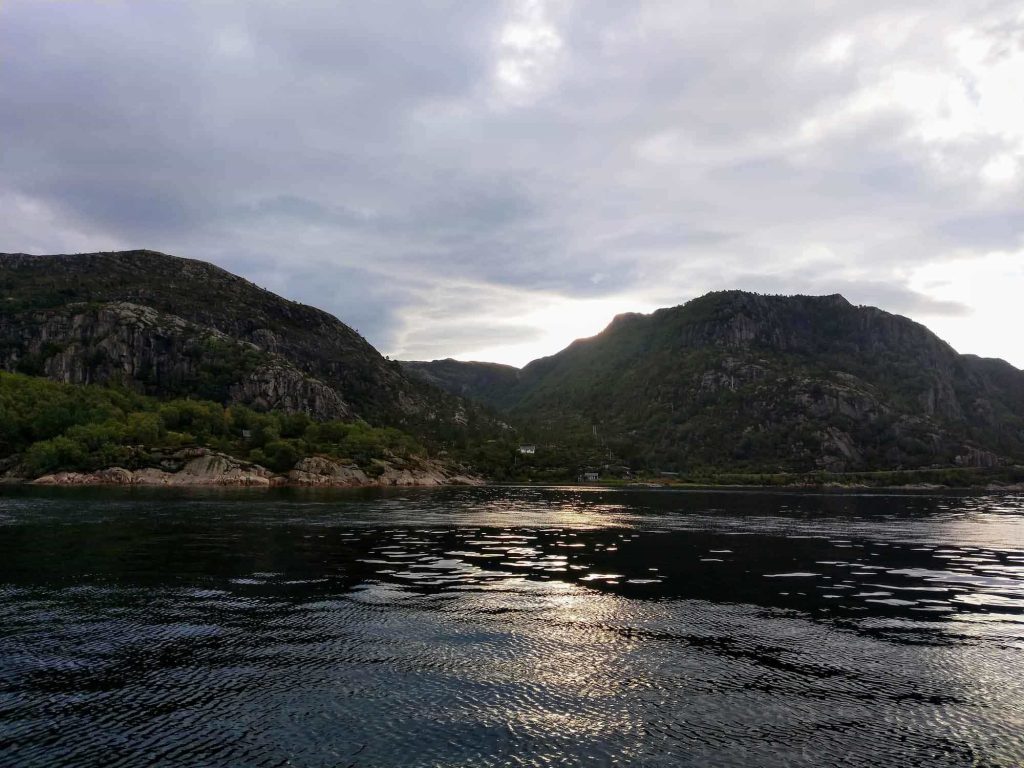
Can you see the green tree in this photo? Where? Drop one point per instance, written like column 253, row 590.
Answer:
column 56, row 453
column 281, row 455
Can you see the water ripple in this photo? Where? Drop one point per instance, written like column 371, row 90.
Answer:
column 511, row 626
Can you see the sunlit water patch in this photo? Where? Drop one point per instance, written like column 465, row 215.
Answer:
column 504, row 626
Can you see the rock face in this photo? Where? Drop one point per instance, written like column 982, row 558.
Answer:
column 280, row 387
column 320, row 471
column 740, row 380
column 202, row 467
column 199, row 467
column 158, row 353
column 168, row 326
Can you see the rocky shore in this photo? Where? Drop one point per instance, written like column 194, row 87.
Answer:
column 203, row 467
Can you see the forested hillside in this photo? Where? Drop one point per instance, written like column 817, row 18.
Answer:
column 173, row 327
column 741, row 381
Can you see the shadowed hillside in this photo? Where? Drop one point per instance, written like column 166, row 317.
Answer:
column 168, row 326
column 740, row 380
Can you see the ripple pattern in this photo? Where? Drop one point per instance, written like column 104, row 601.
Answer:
column 493, row 627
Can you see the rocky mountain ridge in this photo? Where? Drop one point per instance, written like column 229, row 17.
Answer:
column 781, row 383
column 168, row 326
column 730, row 380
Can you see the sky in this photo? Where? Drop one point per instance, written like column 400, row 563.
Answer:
column 490, row 180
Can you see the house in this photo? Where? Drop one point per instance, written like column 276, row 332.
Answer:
column 590, row 477
column 527, row 450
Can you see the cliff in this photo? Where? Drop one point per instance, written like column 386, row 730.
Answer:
column 168, row 326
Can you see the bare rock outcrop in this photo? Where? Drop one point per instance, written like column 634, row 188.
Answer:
column 325, row 472
column 159, row 353
column 320, row 471
column 173, row 327
column 203, row 467
column 278, row 387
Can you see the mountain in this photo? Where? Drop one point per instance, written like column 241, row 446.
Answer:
column 489, row 383
column 766, row 383
column 731, row 380
column 168, row 327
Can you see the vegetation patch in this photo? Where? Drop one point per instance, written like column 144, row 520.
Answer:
column 61, row 427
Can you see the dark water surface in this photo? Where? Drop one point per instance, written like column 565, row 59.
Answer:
column 511, row 626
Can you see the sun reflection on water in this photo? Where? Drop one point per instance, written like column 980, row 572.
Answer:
column 571, row 626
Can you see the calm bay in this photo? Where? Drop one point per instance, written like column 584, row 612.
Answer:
column 510, row 626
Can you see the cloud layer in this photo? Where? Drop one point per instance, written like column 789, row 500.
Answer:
column 488, row 180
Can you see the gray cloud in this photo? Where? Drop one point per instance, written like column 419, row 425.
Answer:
column 896, row 298
column 992, row 229
column 363, row 157
column 426, row 345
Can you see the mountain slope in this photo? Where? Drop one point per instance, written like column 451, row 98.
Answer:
column 489, row 383
column 168, row 326
column 740, row 380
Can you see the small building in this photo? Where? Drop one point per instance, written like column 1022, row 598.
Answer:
column 590, row 477
column 527, row 450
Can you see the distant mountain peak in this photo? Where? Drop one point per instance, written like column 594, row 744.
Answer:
column 739, row 379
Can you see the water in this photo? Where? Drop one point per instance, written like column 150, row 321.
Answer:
column 510, row 626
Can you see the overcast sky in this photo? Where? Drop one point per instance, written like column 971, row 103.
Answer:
column 489, row 180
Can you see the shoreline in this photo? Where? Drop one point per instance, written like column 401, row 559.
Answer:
column 205, row 468
column 117, row 477
column 82, row 480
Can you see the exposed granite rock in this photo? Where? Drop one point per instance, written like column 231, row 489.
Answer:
column 202, row 467
column 278, row 387
column 413, row 476
column 158, row 353
column 169, row 326
column 207, row 468
column 320, row 471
